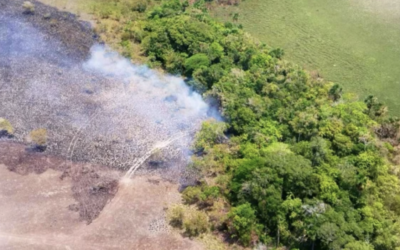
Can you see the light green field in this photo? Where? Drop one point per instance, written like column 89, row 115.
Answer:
column 354, row 43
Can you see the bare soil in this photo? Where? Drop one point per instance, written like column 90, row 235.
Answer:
column 92, row 185
column 49, row 203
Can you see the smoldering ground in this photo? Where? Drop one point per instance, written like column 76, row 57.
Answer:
column 103, row 109
column 99, row 110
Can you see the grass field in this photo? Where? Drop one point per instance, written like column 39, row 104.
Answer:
column 354, row 43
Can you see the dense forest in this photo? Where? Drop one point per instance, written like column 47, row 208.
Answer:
column 294, row 162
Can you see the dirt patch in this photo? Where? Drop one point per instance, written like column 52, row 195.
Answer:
column 92, row 185
column 46, row 203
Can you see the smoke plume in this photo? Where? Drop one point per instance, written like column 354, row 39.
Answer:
column 162, row 97
column 103, row 110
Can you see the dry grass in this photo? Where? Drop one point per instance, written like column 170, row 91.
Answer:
column 192, row 221
column 212, row 242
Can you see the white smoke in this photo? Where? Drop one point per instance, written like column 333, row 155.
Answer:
column 162, row 88
column 105, row 110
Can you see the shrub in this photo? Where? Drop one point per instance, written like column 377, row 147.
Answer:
column 196, row 61
column 6, row 129
column 277, row 52
column 210, row 192
column 195, row 222
column 141, row 6
column 47, row 16
column 29, row 8
column 211, row 242
column 105, row 12
column 38, row 137
column 191, row 195
column 358, row 245
column 192, row 221
column 175, row 215
column 211, row 133
column 242, row 223
column 218, row 214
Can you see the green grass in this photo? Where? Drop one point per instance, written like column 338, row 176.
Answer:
column 345, row 44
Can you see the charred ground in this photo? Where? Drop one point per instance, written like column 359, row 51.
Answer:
column 97, row 125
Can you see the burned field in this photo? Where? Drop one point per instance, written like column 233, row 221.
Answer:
column 103, row 116
column 95, row 105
